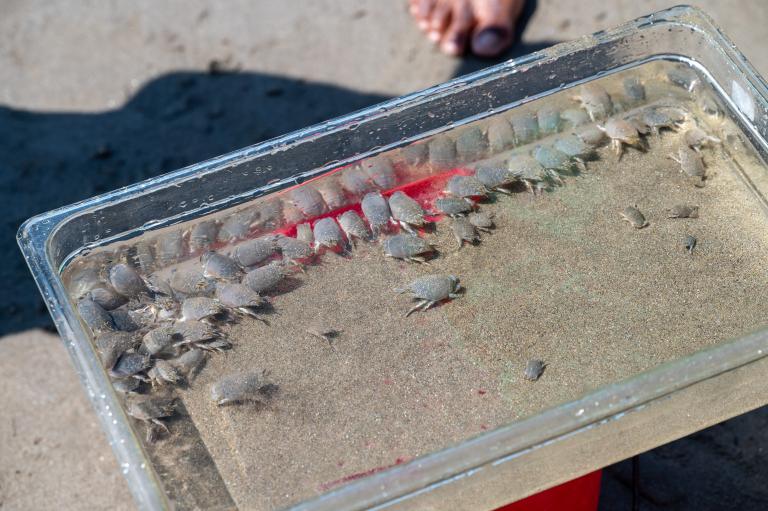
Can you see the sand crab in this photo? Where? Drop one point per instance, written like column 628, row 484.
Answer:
column 328, row 234
column 408, row 247
column 496, row 176
column 219, row 266
column 482, row 220
column 534, row 369
column 635, row 218
column 532, row 173
column 622, row 132
column 452, row 206
column 127, row 281
column 406, row 211
column 697, row 138
column 202, row 308
column 691, row 163
column 463, row 231
column 595, row 101
column 151, row 409
column 354, row 226
column 265, row 278
column 246, row 387
column 240, row 298
column 430, row 290
column 376, row 210
column 683, row 211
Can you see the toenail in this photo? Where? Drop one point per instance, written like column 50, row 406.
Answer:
column 490, row 40
column 423, row 24
column 434, row 36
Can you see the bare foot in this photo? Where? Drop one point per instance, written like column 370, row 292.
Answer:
column 486, row 26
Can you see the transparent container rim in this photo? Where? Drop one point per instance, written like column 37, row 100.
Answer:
column 452, row 463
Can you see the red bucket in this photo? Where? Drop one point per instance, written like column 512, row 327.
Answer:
column 580, row 494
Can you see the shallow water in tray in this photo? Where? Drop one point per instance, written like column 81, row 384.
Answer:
column 562, row 277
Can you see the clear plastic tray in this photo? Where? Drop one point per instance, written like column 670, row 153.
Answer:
column 513, row 461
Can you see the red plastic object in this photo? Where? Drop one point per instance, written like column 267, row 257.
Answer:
column 580, row 494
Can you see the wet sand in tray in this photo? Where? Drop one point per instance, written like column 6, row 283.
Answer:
column 563, row 278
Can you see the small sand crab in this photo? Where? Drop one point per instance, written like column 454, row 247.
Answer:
column 354, row 226
column 549, row 119
column 531, row 172
column 94, row 315
column 415, row 154
column 201, row 308
column 406, row 211
column 552, row 159
column 463, row 231
column 203, row 235
column 170, row 247
column 576, row 148
column 662, row 118
column 471, row 144
column 127, row 320
column 198, row 334
column 191, row 282
column 356, row 181
column 380, row 171
column 575, row 116
column 376, row 210
column 633, row 215
column 634, row 89
column 126, row 385
column 482, row 220
column 246, row 387
column 240, row 298
column 308, row 200
column 236, row 226
column 683, row 211
column 332, row 192
column 697, row 138
column 496, row 176
column 151, row 409
column 189, row 363
column 591, row 134
column 127, row 281
column 328, row 234
column 534, row 369
column 144, row 256
column 294, row 250
column 452, row 206
column 442, row 152
column 691, row 164
column 159, row 339
column 500, row 135
column 106, row 297
column 323, row 331
column 163, row 372
column 255, row 251
column 111, row 345
column 595, row 101
column 689, row 243
column 130, row 364
column 466, row 187
column 408, row 247
column 525, row 127
column 622, row 132
column 265, row 278
column 220, row 267
column 430, row 290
